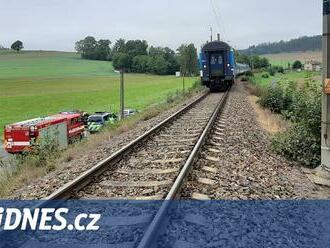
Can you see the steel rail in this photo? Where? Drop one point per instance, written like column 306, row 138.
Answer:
column 71, row 188
column 149, row 236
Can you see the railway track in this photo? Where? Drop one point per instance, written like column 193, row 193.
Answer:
column 146, row 168
column 155, row 166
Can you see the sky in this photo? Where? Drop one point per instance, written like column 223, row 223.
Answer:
column 58, row 24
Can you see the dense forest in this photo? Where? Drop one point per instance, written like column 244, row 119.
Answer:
column 301, row 44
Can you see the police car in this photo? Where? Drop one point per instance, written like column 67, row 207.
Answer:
column 98, row 120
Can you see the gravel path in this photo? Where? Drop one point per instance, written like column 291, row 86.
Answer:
column 236, row 162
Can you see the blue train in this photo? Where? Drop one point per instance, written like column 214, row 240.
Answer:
column 218, row 66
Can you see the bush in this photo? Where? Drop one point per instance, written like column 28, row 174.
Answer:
column 278, row 69
column 42, row 154
column 302, row 106
column 265, row 75
column 249, row 74
column 271, row 71
column 289, row 98
column 299, row 144
column 272, row 98
column 275, row 69
column 305, row 106
column 297, row 65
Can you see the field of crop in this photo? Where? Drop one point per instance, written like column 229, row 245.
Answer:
column 284, row 58
column 40, row 83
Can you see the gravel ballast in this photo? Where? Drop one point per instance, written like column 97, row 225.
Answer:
column 237, row 164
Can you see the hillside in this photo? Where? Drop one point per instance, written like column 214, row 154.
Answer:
column 283, row 59
column 301, row 44
column 49, row 64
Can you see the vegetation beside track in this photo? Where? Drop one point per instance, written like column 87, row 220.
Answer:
column 298, row 100
column 37, row 83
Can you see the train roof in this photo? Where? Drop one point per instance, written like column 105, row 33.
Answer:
column 216, row 46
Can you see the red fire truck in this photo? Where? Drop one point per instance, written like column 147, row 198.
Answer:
column 63, row 128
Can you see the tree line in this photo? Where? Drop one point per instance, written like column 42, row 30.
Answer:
column 302, row 44
column 136, row 56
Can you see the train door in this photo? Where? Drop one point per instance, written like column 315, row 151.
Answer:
column 217, row 64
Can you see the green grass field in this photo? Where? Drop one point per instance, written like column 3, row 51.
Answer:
column 289, row 76
column 40, row 83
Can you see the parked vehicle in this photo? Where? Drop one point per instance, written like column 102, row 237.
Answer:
column 63, row 128
column 129, row 112
column 98, row 120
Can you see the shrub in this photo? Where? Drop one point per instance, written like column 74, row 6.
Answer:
column 289, row 98
column 272, row 71
column 280, row 69
column 265, row 75
column 306, row 106
column 249, row 74
column 42, row 154
column 299, row 144
column 297, row 65
column 302, row 106
column 272, row 98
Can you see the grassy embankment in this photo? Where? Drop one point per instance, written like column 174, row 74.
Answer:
column 40, row 83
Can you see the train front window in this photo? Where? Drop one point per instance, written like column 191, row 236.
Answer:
column 220, row 60
column 213, row 60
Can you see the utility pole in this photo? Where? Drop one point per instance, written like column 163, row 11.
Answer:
column 183, row 83
column 326, row 89
column 122, row 94
column 211, row 30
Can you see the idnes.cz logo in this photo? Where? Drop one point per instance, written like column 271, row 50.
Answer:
column 46, row 219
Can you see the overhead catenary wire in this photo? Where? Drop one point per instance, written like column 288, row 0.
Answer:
column 219, row 20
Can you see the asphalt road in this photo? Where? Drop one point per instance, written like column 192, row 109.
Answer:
column 3, row 154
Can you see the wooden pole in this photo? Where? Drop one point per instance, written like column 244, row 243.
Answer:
column 122, row 94
column 183, row 83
